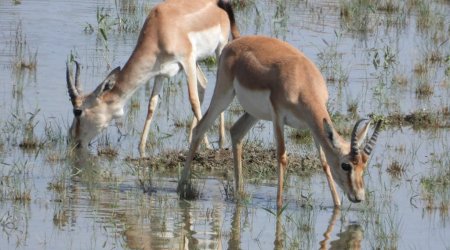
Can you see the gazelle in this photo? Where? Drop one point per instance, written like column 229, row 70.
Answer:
column 274, row 81
column 175, row 35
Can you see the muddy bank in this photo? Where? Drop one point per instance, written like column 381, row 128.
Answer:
column 256, row 160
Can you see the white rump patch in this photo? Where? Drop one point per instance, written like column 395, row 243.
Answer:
column 206, row 42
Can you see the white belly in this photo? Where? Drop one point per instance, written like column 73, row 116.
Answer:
column 255, row 102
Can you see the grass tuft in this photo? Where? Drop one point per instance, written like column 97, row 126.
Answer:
column 23, row 57
column 396, row 169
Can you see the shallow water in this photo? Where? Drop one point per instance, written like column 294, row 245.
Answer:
column 103, row 202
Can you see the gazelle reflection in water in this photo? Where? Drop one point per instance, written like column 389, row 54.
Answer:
column 350, row 238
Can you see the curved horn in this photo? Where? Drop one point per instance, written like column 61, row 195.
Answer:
column 354, row 140
column 371, row 143
column 73, row 93
column 77, row 78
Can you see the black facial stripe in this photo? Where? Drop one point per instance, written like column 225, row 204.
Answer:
column 77, row 112
column 77, row 126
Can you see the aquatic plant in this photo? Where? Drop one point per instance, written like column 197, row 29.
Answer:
column 23, row 57
column 331, row 61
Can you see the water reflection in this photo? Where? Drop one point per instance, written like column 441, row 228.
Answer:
column 125, row 213
column 279, row 239
column 350, row 238
column 235, row 237
column 236, row 230
column 131, row 216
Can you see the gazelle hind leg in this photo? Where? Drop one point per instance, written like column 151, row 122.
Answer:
column 195, row 90
column 202, row 83
column 330, row 180
column 238, row 131
column 153, row 102
column 201, row 87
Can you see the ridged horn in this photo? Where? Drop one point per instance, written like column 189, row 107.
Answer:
column 371, row 143
column 73, row 93
column 77, row 78
column 354, row 140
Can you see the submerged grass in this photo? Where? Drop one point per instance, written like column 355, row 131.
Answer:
column 259, row 163
column 358, row 15
column 435, row 192
column 419, row 119
column 14, row 183
column 424, row 89
column 330, row 62
column 124, row 17
column 428, row 17
column 25, row 126
column 301, row 136
column 23, row 57
column 396, row 169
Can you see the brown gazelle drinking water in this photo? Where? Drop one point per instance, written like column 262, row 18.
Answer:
column 274, row 81
column 175, row 35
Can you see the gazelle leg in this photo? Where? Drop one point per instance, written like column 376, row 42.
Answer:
column 202, row 82
column 151, row 109
column 201, row 87
column 323, row 243
column 238, row 131
column 219, row 103
column 195, row 90
column 222, row 131
column 326, row 169
column 222, row 117
column 278, row 127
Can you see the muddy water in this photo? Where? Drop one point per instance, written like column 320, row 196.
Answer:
column 49, row 200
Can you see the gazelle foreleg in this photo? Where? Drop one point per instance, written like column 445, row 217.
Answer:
column 151, row 110
column 237, row 132
column 326, row 169
column 222, row 116
column 278, row 127
column 220, row 101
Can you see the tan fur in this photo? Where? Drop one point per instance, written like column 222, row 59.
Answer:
column 175, row 35
column 274, row 74
column 164, row 35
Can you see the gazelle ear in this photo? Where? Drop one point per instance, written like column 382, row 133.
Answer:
column 362, row 134
column 108, row 83
column 331, row 135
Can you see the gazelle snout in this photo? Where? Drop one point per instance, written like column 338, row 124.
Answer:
column 357, row 196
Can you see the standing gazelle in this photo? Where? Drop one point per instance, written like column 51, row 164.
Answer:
column 274, row 81
column 175, row 35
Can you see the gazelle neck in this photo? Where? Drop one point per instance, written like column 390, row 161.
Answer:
column 321, row 136
column 136, row 72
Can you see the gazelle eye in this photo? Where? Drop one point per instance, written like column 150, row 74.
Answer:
column 77, row 112
column 346, row 167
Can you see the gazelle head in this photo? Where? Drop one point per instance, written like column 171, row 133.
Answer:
column 92, row 112
column 349, row 163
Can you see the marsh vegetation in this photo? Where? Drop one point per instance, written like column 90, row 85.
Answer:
column 386, row 60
